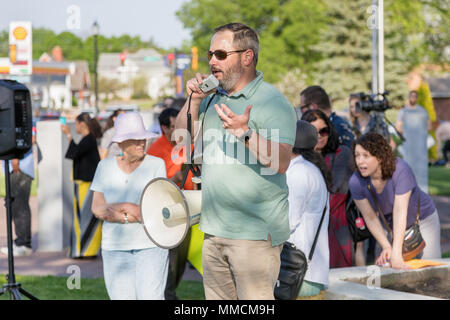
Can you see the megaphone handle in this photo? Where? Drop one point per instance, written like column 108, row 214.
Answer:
column 185, row 174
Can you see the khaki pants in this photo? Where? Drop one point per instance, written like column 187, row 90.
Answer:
column 240, row 269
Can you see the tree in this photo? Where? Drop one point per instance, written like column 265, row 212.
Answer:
column 109, row 86
column 43, row 41
column 328, row 41
column 140, row 87
column 4, row 44
column 435, row 36
column 346, row 49
column 424, row 99
column 72, row 46
column 286, row 29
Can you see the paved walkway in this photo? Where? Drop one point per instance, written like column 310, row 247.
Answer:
column 57, row 263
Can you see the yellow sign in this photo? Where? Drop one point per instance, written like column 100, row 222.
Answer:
column 13, row 53
column 194, row 63
column 20, row 48
column 20, row 33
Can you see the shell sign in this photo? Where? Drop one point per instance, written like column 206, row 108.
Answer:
column 20, row 33
column 20, row 48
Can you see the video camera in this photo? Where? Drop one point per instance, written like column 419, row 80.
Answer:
column 370, row 103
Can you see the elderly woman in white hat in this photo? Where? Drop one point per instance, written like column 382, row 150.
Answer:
column 133, row 266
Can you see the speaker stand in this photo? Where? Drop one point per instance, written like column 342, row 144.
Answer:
column 14, row 288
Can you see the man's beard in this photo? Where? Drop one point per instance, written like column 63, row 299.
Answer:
column 231, row 76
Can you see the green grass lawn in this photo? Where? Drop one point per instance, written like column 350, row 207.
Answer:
column 55, row 288
column 439, row 181
column 2, row 184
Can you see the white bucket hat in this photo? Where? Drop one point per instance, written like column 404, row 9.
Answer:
column 130, row 126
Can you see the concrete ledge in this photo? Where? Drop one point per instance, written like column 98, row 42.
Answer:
column 364, row 283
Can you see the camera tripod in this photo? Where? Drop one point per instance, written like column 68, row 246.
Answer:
column 380, row 119
column 14, row 288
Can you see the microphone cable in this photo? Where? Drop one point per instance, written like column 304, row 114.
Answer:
column 195, row 169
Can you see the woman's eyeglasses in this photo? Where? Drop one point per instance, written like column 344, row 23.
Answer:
column 324, row 132
column 222, row 54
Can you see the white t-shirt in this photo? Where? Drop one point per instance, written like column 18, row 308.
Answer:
column 307, row 198
column 117, row 186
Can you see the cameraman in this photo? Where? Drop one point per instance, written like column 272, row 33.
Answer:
column 363, row 122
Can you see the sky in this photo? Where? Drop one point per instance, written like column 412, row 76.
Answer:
column 146, row 18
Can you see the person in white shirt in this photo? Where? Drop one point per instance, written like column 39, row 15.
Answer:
column 134, row 268
column 309, row 182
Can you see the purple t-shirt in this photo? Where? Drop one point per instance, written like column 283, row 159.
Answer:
column 402, row 181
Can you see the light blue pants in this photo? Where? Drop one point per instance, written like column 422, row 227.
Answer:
column 135, row 274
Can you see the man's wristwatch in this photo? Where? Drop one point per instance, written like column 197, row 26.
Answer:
column 246, row 136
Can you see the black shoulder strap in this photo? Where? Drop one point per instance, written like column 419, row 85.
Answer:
column 311, row 253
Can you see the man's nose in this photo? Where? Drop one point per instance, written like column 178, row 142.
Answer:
column 213, row 60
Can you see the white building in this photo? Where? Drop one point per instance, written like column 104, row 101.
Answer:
column 145, row 62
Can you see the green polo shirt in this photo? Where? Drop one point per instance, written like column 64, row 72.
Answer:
column 241, row 198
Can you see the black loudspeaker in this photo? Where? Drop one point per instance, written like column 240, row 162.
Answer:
column 15, row 120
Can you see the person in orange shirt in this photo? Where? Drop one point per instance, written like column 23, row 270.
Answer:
column 162, row 148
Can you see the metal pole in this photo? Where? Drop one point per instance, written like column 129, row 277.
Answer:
column 11, row 275
column 374, row 52
column 380, row 46
column 95, row 73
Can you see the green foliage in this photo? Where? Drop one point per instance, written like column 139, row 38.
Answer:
column 286, row 29
column 4, row 44
column 75, row 48
column 108, row 86
column 140, row 85
column 346, row 47
column 74, row 101
column 436, row 35
column 329, row 41
column 425, row 100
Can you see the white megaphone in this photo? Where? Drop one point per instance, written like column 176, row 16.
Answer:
column 168, row 212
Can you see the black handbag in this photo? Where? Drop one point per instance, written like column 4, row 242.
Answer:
column 356, row 223
column 294, row 265
column 413, row 242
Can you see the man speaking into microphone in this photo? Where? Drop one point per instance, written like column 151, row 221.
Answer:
column 248, row 135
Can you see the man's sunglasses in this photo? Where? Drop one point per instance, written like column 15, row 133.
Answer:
column 222, row 54
column 324, row 132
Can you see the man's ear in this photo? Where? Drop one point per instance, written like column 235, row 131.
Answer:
column 247, row 57
column 164, row 129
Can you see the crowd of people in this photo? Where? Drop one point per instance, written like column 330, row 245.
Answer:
column 296, row 162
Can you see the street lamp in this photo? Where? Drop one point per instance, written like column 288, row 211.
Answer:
column 95, row 32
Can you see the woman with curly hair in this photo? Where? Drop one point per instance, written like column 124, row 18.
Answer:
column 398, row 196
column 338, row 159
